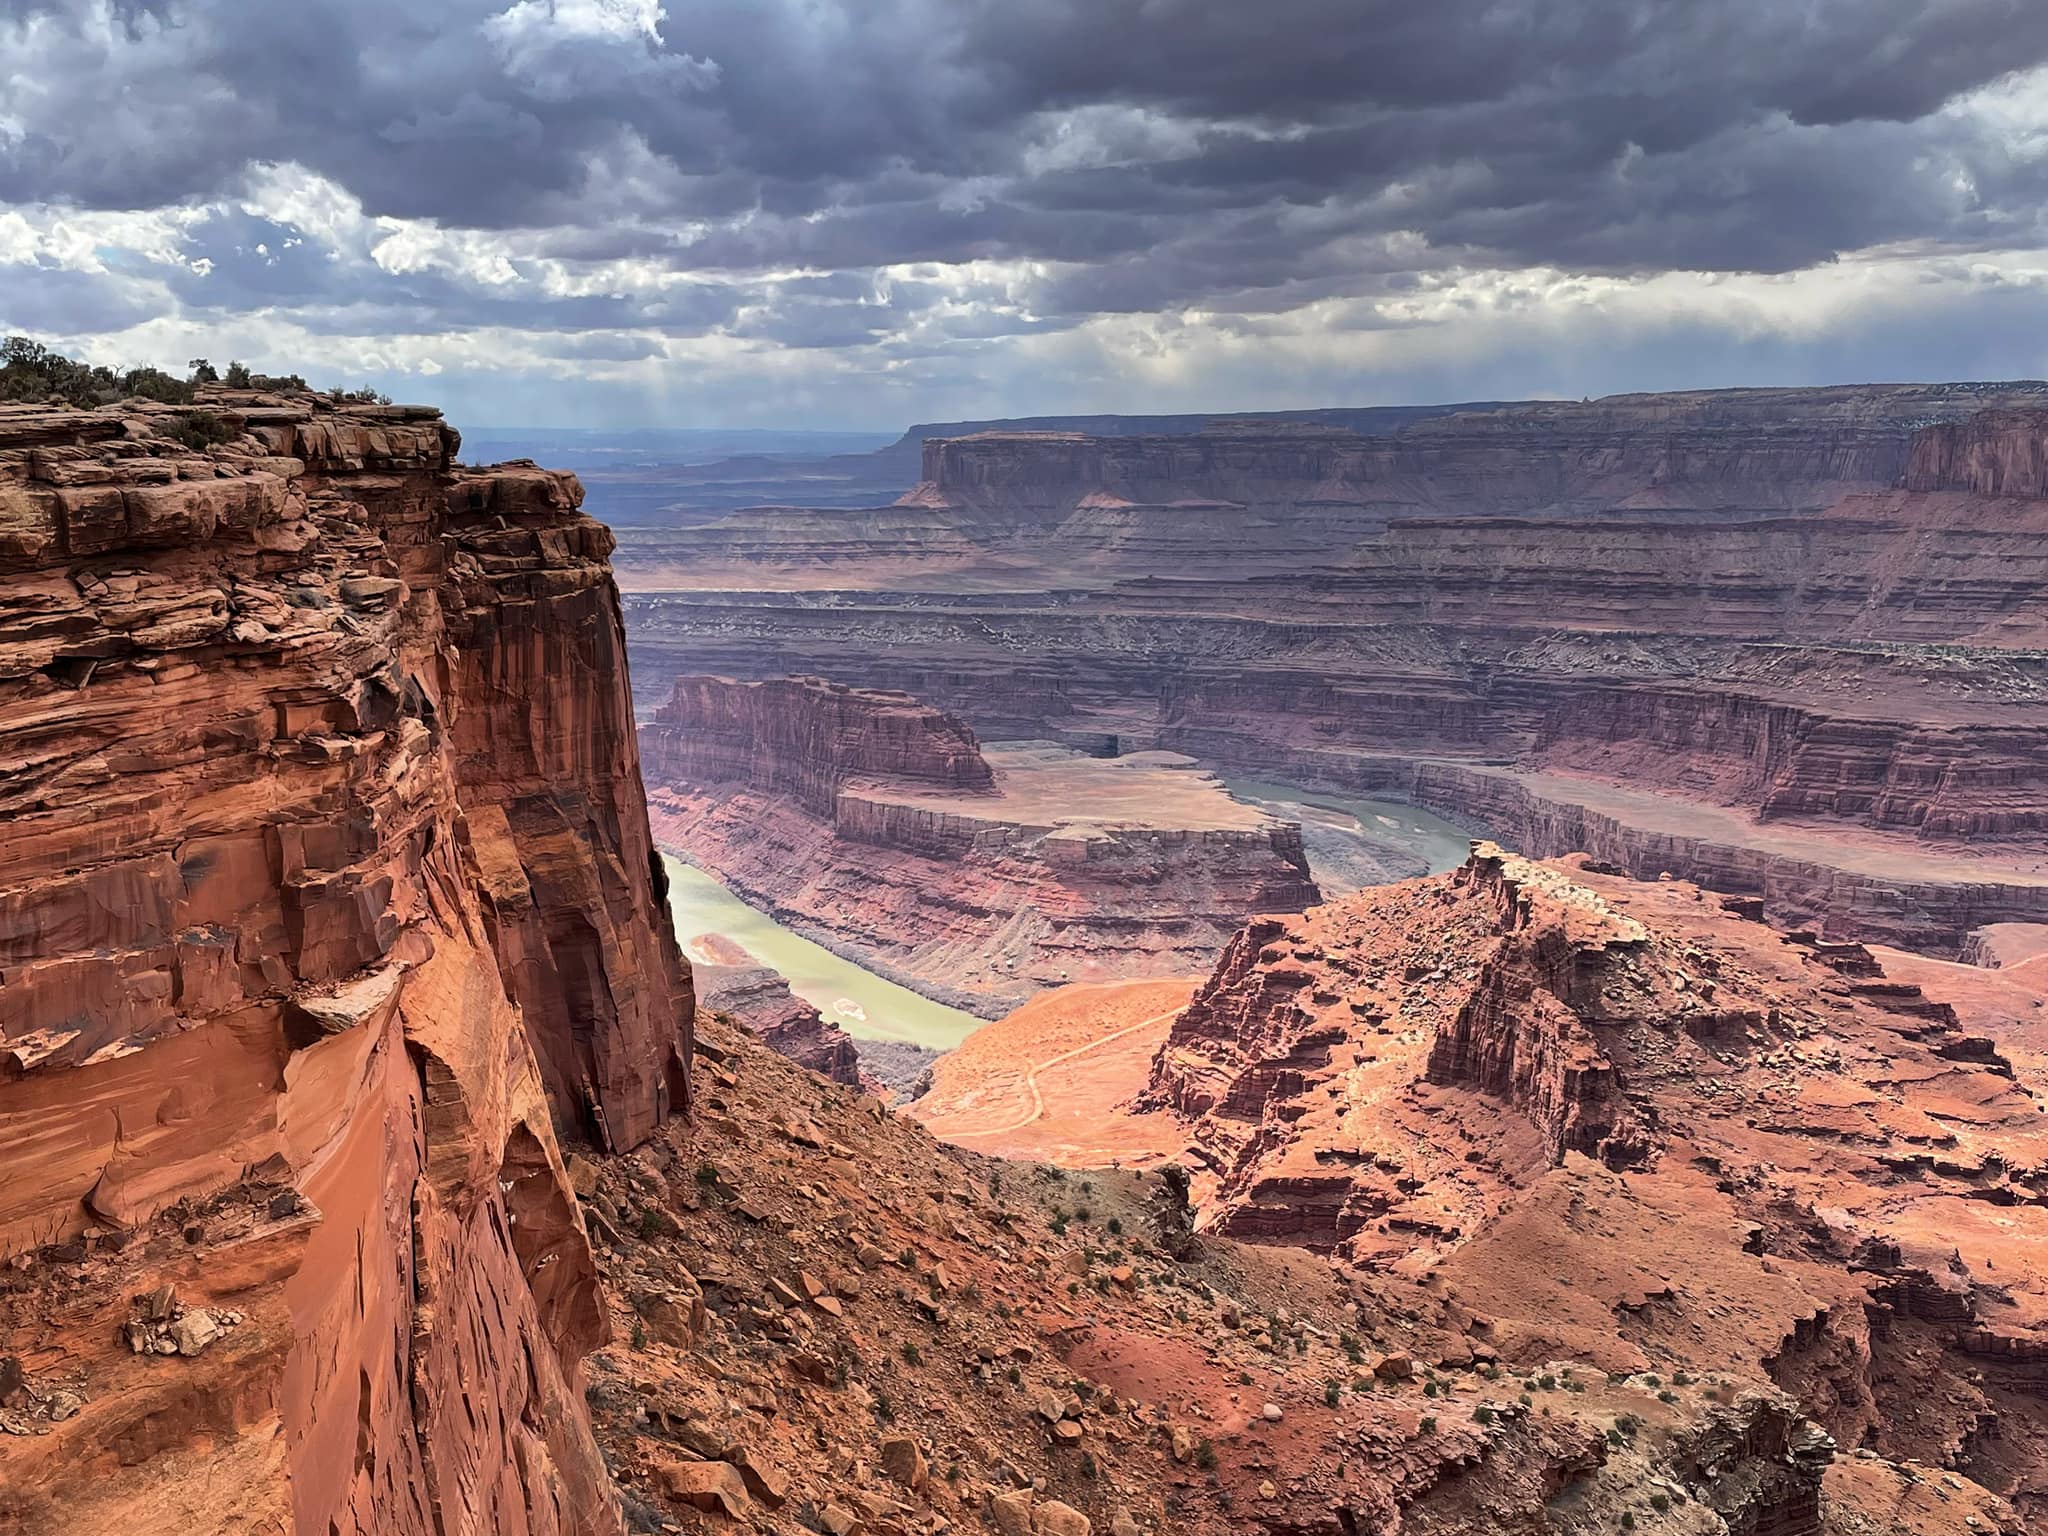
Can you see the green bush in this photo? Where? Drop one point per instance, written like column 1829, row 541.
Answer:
column 34, row 373
column 200, row 430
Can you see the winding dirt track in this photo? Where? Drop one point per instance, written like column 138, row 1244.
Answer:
column 1031, row 1076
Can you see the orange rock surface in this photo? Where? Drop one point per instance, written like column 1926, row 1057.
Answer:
column 1048, row 1082
column 327, row 897
column 1628, row 1125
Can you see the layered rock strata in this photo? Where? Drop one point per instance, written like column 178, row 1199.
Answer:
column 327, row 907
column 878, row 826
column 1272, row 495
column 1868, row 673
column 1626, row 1121
column 759, row 998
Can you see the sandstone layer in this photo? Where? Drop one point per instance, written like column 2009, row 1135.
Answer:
column 1848, row 670
column 328, row 909
column 881, row 828
column 1625, row 1122
column 1267, row 495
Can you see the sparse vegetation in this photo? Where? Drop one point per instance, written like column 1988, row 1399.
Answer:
column 33, row 373
column 200, row 430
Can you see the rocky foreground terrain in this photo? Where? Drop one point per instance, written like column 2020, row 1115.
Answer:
column 881, row 827
column 1790, row 643
column 823, row 1320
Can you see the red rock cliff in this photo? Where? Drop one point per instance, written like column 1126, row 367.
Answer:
column 327, row 897
column 1995, row 453
column 807, row 737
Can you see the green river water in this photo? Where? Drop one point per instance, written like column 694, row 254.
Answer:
column 858, row 1001
column 870, row 1008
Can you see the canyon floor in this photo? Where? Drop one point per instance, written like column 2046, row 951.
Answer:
column 1052, row 1082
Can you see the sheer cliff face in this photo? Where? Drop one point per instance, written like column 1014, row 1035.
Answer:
column 808, row 738
column 1996, row 453
column 327, row 899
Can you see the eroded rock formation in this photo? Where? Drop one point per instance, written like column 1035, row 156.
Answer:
column 1788, row 642
column 1623, row 1121
column 877, row 825
column 327, row 906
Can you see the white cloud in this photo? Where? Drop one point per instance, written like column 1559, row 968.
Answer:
column 561, row 49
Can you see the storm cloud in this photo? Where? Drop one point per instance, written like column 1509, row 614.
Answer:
column 853, row 211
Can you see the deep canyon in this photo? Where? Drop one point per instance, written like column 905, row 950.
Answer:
column 1789, row 643
column 1673, row 1161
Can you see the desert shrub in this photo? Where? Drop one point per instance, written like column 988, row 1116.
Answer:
column 200, row 430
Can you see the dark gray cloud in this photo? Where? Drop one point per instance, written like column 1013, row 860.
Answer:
column 749, row 167
column 475, row 112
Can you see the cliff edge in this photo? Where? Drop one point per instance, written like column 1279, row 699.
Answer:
column 328, row 909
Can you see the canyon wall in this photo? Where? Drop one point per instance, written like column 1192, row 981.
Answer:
column 1841, row 704
column 328, row 907
column 806, row 737
column 1244, row 495
column 877, row 826
column 1995, row 453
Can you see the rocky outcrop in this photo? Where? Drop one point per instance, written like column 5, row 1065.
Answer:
column 760, row 999
column 1519, row 1033
column 327, row 908
column 1600, row 1111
